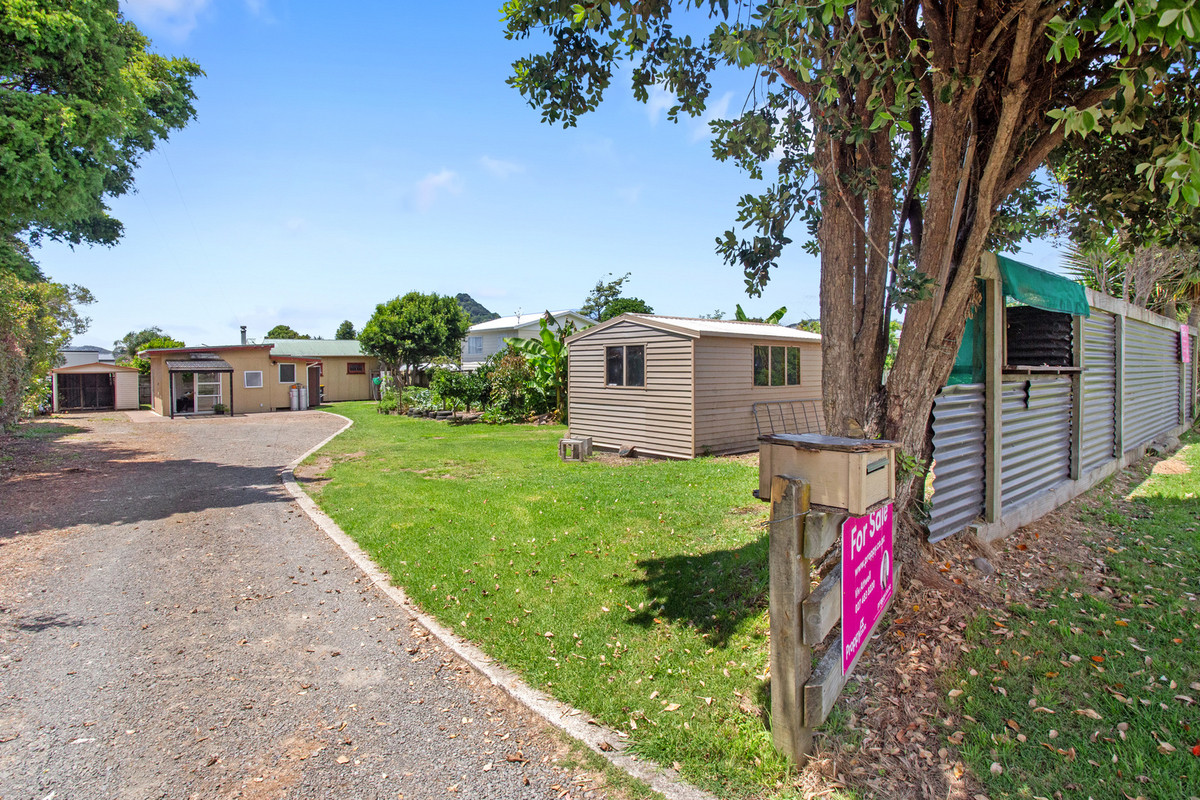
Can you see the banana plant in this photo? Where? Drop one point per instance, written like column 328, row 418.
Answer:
column 547, row 355
column 773, row 319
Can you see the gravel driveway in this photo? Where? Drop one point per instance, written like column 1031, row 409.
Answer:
column 172, row 626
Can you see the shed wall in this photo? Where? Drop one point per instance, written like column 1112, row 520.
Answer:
column 126, row 391
column 725, row 390
column 656, row 418
column 339, row 385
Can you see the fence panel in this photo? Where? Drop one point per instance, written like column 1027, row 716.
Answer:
column 1151, row 382
column 958, row 435
column 1099, row 389
column 1035, row 453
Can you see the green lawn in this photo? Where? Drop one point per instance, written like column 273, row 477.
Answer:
column 635, row 590
column 1094, row 693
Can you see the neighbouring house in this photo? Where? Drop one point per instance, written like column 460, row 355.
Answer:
column 93, row 386
column 346, row 372
column 487, row 338
column 678, row 387
column 250, row 378
column 85, row 354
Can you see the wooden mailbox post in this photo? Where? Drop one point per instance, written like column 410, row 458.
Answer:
column 831, row 506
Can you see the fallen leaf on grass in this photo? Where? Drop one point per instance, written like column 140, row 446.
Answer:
column 1166, row 747
column 954, row 692
column 1088, row 712
column 672, row 707
column 1183, row 698
column 1043, row 710
column 1012, row 723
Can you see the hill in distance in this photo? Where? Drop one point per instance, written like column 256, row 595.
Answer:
column 476, row 311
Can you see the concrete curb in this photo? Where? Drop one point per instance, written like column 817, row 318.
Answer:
column 575, row 723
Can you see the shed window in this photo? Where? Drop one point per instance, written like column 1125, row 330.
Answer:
column 474, row 345
column 776, row 366
column 252, row 379
column 625, row 365
column 356, row 368
column 287, row 373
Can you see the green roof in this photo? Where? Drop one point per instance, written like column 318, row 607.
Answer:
column 315, row 348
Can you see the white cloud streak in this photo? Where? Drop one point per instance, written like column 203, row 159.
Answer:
column 174, row 18
column 435, row 185
column 499, row 167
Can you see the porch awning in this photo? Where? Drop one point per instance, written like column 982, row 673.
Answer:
column 198, row 365
column 1045, row 290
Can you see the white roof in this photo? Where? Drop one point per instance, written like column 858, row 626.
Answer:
column 711, row 327
column 523, row 320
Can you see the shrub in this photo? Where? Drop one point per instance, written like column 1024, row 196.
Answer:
column 389, row 401
column 420, row 398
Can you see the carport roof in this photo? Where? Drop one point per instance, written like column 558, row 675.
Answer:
column 198, row 365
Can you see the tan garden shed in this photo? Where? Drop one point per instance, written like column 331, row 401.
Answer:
column 680, row 387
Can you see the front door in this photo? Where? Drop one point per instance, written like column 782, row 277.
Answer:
column 208, row 391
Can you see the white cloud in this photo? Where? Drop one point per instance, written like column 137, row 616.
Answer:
column 430, row 187
column 174, row 18
column 717, row 110
column 257, row 7
column 660, row 100
column 499, row 167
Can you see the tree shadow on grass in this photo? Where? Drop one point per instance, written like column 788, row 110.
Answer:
column 713, row 592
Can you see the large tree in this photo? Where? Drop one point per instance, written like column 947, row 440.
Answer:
column 345, row 331
column 82, row 98
column 282, row 331
column 412, row 330
column 902, row 134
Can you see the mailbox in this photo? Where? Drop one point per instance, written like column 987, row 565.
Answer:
column 853, row 474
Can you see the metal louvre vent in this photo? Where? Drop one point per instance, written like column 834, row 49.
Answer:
column 1035, row 440
column 1099, row 389
column 1151, row 382
column 958, row 424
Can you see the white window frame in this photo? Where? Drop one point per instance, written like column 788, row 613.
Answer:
column 293, row 366
column 246, row 379
column 474, row 345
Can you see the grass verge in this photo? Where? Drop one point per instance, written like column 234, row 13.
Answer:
column 1093, row 690
column 636, row 591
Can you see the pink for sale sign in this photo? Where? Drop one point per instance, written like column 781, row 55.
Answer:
column 866, row 578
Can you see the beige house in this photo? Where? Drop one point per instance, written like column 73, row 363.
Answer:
column 94, row 386
column 346, row 372
column 680, row 388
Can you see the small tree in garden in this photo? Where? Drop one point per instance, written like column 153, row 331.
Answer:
column 460, row 388
column 509, row 379
column 547, row 356
column 409, row 331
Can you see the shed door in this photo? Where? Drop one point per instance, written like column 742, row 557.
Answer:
column 86, row 391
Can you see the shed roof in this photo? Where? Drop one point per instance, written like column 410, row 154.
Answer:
column 695, row 328
column 95, row 366
column 315, row 348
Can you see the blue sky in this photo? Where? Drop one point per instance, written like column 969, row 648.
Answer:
column 340, row 159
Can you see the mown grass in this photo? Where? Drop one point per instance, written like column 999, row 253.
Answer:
column 1094, row 692
column 635, row 591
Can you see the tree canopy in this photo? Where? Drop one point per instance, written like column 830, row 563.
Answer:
column 134, row 342
column 406, row 332
column 345, row 331
column 82, row 98
column 602, row 295
column 285, row 332
column 625, row 305
column 902, row 136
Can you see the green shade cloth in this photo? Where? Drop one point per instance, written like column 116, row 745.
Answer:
column 1035, row 287
column 972, row 355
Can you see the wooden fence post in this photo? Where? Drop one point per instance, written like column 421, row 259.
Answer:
column 791, row 659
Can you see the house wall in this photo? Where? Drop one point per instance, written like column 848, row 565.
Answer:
column 656, row 418
column 493, row 342
column 341, row 386
column 725, row 390
column 271, row 396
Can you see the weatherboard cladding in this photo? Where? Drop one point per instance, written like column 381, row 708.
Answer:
column 1098, row 443
column 1035, row 441
column 958, row 454
column 1151, row 382
column 656, row 418
column 725, row 390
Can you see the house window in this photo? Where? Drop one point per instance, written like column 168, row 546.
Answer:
column 356, row 368
column 776, row 366
column 253, row 379
column 287, row 373
column 625, row 365
column 474, row 345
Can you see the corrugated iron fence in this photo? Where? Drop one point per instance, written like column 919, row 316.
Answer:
column 1133, row 388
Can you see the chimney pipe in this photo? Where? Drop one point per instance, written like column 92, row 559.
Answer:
column 243, row 334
